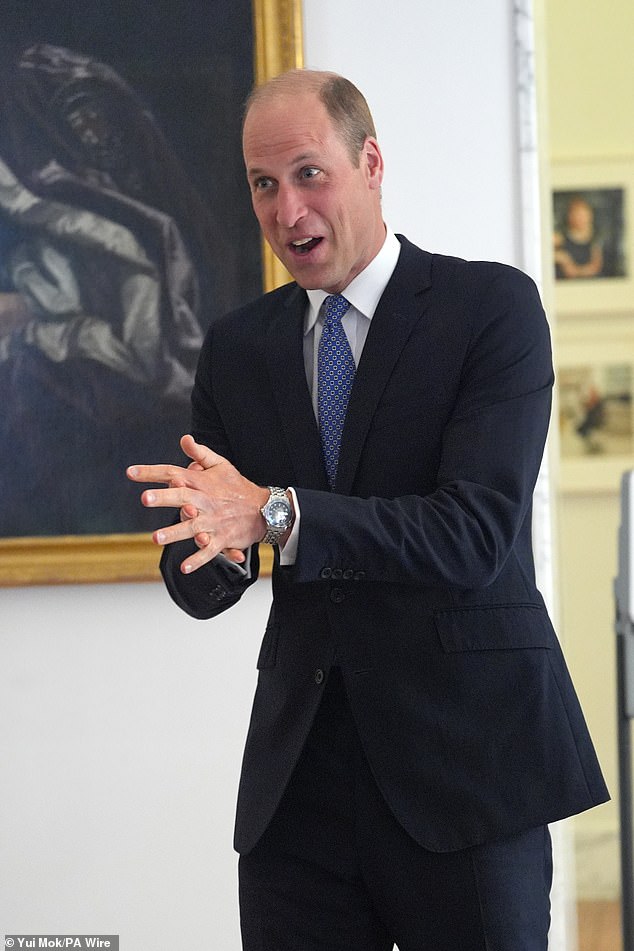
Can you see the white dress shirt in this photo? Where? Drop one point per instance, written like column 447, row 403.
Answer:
column 364, row 293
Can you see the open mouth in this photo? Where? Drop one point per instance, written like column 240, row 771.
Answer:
column 304, row 245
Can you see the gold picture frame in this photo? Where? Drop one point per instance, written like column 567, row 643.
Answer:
column 131, row 558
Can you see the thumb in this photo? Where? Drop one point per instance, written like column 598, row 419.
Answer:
column 205, row 457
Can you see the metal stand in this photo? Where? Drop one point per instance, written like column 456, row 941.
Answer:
column 625, row 792
column 624, row 625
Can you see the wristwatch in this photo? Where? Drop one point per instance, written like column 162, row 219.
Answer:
column 278, row 515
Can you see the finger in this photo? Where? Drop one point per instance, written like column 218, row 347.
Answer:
column 203, row 455
column 208, row 550
column 202, row 557
column 179, row 496
column 164, row 473
column 193, row 524
column 188, row 512
column 180, row 532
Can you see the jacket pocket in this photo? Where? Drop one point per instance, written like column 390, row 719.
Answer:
column 501, row 627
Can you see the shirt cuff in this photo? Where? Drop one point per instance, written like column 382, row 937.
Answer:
column 244, row 569
column 288, row 554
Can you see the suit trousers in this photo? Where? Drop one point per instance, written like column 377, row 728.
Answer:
column 335, row 871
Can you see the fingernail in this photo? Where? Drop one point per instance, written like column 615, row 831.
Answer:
column 160, row 537
column 187, row 569
column 150, row 497
column 133, row 471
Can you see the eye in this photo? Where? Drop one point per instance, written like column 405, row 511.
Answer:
column 309, row 171
column 262, row 184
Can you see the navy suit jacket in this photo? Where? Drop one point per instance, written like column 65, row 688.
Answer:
column 416, row 574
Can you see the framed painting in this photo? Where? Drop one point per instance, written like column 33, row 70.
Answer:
column 125, row 225
column 595, row 403
column 593, row 244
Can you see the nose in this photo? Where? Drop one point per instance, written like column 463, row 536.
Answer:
column 291, row 207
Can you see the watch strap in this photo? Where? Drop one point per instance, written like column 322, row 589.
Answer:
column 274, row 533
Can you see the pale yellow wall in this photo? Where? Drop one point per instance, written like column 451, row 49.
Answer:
column 590, row 104
column 590, row 56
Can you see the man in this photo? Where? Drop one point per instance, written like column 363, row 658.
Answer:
column 414, row 728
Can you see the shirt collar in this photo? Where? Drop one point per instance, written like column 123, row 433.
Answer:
column 364, row 292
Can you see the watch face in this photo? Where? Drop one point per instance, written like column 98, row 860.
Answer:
column 278, row 513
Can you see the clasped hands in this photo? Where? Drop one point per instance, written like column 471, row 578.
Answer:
column 219, row 508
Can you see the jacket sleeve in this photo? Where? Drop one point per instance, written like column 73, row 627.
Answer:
column 463, row 531
column 219, row 585
column 210, row 590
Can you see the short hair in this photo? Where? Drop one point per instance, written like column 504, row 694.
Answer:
column 344, row 103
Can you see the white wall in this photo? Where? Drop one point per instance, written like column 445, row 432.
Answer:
column 122, row 729
column 123, row 720
column 440, row 81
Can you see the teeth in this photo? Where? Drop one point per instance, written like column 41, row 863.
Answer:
column 302, row 241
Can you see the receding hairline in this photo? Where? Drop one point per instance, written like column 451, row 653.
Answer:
column 291, row 83
column 343, row 101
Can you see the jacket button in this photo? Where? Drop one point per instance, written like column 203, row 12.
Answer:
column 337, row 596
column 359, row 575
column 319, row 676
column 337, row 574
column 218, row 593
column 348, row 574
column 325, row 573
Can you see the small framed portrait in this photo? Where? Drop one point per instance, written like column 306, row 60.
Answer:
column 595, row 410
column 593, row 256
column 595, row 403
column 588, row 237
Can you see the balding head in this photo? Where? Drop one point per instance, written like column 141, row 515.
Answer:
column 345, row 105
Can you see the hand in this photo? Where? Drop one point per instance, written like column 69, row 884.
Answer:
column 219, row 508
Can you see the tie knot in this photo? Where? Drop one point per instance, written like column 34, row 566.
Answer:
column 336, row 305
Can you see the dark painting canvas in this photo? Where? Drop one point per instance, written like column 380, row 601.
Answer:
column 125, row 228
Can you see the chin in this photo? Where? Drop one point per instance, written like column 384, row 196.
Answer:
column 304, row 282
column 303, row 276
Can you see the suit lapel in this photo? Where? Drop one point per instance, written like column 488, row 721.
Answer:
column 285, row 358
column 398, row 312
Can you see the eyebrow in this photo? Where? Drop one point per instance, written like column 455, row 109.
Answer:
column 298, row 160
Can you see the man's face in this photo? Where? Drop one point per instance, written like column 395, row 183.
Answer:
column 320, row 214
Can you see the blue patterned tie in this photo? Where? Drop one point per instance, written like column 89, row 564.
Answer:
column 336, row 367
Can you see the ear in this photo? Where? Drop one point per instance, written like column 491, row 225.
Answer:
column 371, row 156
